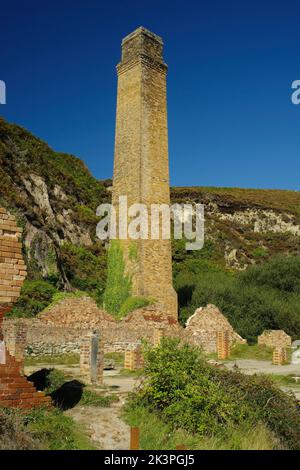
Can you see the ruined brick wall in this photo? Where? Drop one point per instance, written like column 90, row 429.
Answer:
column 60, row 329
column 15, row 390
column 202, row 328
column 12, row 265
column 275, row 339
column 43, row 339
column 141, row 169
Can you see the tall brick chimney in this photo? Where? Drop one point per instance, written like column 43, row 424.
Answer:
column 141, row 166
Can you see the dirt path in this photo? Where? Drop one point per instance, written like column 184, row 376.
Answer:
column 104, row 426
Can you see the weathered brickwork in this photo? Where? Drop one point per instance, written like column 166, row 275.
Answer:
column 275, row 339
column 133, row 358
column 223, row 344
column 279, row 356
column 141, row 170
column 60, row 330
column 92, row 357
column 12, row 266
column 15, row 390
column 202, row 328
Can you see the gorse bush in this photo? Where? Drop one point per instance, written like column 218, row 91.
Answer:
column 188, row 393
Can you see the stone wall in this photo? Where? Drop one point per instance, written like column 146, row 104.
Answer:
column 275, row 339
column 72, row 315
column 12, row 265
column 60, row 330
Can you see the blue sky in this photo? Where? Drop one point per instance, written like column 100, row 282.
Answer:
column 231, row 65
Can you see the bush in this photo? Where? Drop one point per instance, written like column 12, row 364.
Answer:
column 85, row 267
column 188, row 393
column 35, row 296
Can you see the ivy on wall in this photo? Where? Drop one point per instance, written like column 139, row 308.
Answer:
column 118, row 298
column 118, row 284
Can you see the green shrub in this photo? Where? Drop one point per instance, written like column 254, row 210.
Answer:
column 280, row 272
column 132, row 303
column 54, row 380
column 156, row 434
column 13, row 434
column 118, row 286
column 189, row 394
column 85, row 267
column 55, row 431
column 35, row 296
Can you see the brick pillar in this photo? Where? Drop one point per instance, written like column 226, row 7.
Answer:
column 133, row 359
column 157, row 336
column 279, row 356
column 223, row 344
column 92, row 357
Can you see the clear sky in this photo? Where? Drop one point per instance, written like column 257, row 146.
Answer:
column 231, row 65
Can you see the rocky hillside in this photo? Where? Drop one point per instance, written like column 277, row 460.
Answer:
column 247, row 226
column 54, row 197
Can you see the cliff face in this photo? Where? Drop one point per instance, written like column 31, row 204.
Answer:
column 54, row 198
column 246, row 226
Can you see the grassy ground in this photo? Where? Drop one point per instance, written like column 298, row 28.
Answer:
column 118, row 358
column 52, row 429
column 40, row 429
column 156, row 435
column 55, row 359
column 258, row 352
column 284, row 380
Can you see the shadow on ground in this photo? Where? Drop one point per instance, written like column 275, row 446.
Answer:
column 65, row 397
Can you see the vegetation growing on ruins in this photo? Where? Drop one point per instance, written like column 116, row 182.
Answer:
column 118, row 299
column 184, row 392
column 118, row 284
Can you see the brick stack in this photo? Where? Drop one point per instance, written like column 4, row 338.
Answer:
column 275, row 339
column 133, row 358
column 279, row 356
column 223, row 344
column 15, row 390
column 12, row 266
column 202, row 328
column 157, row 336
